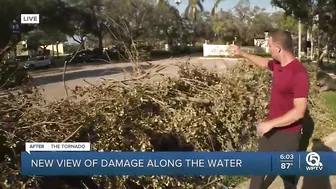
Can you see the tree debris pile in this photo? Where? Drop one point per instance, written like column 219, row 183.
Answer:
column 323, row 119
column 11, row 75
column 198, row 111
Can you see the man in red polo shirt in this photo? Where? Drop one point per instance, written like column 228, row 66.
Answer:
column 281, row 131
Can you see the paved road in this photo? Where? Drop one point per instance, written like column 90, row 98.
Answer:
column 53, row 86
column 52, row 82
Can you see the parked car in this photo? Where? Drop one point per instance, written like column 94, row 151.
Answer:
column 333, row 53
column 83, row 56
column 38, row 62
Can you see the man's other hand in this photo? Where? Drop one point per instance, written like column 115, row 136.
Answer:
column 236, row 50
column 263, row 128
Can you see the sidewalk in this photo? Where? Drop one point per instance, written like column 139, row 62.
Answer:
column 309, row 182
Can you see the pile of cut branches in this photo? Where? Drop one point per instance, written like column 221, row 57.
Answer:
column 198, row 111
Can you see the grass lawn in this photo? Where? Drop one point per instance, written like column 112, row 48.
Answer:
column 331, row 59
column 330, row 100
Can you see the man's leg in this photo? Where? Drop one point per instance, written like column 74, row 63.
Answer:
column 294, row 139
column 264, row 145
column 290, row 182
column 285, row 142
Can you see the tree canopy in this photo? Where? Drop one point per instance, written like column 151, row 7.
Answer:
column 129, row 20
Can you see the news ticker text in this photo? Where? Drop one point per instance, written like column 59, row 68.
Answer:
column 178, row 163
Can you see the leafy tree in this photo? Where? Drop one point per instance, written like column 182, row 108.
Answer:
column 203, row 26
column 283, row 21
column 288, row 23
column 223, row 26
column 168, row 23
column 307, row 11
column 54, row 15
column 70, row 47
column 245, row 23
column 250, row 22
column 88, row 18
column 130, row 21
column 300, row 9
column 42, row 39
column 36, row 40
column 10, row 10
column 83, row 26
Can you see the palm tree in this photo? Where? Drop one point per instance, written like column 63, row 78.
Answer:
column 160, row 2
column 192, row 8
column 214, row 9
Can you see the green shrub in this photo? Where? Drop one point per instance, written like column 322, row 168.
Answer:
column 160, row 53
column 11, row 75
column 321, row 112
column 330, row 100
column 191, row 50
column 176, row 51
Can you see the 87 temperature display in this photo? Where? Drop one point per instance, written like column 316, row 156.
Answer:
column 286, row 161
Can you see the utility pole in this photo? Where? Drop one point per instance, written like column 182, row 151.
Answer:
column 312, row 31
column 312, row 45
column 299, row 50
column 320, row 32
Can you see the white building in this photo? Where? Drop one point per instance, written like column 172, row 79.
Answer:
column 21, row 49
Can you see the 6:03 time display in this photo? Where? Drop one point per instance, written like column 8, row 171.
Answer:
column 287, row 156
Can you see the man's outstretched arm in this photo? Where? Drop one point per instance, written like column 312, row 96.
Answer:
column 260, row 61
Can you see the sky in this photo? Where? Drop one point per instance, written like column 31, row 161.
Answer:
column 227, row 4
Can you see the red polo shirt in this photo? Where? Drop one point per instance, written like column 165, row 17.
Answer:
column 289, row 82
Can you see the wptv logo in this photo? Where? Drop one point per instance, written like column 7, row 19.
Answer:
column 314, row 162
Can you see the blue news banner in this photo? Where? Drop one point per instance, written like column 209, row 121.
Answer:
column 177, row 163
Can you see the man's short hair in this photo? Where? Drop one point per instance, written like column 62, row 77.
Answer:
column 283, row 38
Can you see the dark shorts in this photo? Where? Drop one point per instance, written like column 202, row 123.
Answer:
column 277, row 141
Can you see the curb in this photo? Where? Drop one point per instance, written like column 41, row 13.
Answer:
column 97, row 67
column 218, row 58
column 329, row 141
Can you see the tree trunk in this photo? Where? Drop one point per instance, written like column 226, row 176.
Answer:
column 15, row 51
column 320, row 33
column 57, row 53
column 194, row 32
column 169, row 43
column 44, row 51
column 99, row 33
column 320, row 53
column 83, row 43
column 53, row 50
column 100, row 41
